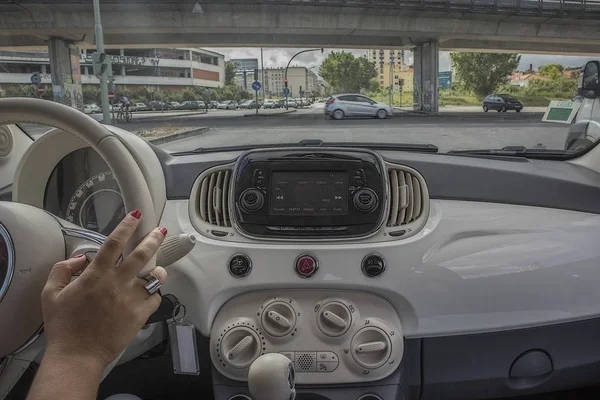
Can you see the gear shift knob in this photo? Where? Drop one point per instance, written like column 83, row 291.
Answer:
column 271, row 377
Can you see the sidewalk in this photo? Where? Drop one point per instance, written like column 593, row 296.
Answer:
column 472, row 112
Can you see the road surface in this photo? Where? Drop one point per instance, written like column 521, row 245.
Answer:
column 494, row 130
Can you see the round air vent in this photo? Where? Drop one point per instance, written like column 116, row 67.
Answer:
column 6, row 142
column 7, row 261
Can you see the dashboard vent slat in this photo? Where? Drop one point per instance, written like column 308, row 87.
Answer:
column 403, row 197
column 394, row 194
column 214, row 198
column 411, row 199
column 408, row 196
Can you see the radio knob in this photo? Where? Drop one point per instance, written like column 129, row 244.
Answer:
column 252, row 200
column 365, row 200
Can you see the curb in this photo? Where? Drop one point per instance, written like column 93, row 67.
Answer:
column 471, row 116
column 164, row 118
column 270, row 115
column 177, row 136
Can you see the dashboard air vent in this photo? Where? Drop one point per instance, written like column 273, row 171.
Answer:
column 214, row 198
column 408, row 197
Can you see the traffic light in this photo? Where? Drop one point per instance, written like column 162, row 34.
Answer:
column 401, row 82
column 255, row 74
column 101, row 63
column 285, row 83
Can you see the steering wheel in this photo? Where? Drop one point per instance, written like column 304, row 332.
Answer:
column 32, row 240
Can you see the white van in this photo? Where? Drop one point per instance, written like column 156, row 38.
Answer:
column 585, row 131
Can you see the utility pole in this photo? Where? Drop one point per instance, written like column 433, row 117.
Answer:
column 104, row 74
column 262, row 68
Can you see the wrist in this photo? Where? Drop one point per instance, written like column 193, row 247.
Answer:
column 89, row 363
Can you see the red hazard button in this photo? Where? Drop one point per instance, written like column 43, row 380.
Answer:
column 306, row 266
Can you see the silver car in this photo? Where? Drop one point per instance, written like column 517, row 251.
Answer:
column 356, row 105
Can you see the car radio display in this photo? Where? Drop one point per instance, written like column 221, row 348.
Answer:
column 309, row 193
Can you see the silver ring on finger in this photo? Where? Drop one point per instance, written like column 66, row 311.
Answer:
column 152, row 284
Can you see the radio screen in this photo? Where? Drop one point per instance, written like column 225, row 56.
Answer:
column 309, row 193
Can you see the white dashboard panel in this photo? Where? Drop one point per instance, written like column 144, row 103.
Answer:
column 475, row 267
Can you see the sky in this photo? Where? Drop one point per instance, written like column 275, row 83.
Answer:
column 279, row 57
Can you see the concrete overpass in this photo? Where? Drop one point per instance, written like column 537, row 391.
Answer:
column 532, row 26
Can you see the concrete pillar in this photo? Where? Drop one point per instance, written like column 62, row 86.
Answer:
column 425, row 90
column 122, row 52
column 66, row 73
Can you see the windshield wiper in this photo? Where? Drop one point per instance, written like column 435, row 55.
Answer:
column 425, row 148
column 517, row 151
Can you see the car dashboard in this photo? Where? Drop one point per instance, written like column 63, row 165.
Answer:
column 380, row 274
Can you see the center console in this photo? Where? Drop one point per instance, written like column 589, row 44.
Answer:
column 331, row 337
column 295, row 193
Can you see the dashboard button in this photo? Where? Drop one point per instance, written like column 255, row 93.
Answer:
column 306, row 266
column 240, row 265
column 359, row 172
column 358, row 181
column 258, row 181
column 326, row 356
column 326, row 366
column 373, row 265
column 288, row 354
column 258, row 173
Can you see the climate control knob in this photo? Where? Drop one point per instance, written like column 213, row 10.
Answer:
column 240, row 346
column 252, row 200
column 278, row 318
column 334, row 318
column 365, row 200
column 371, row 347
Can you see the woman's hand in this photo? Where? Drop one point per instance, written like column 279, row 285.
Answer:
column 95, row 317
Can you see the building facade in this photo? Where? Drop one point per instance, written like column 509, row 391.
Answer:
column 165, row 68
column 391, row 67
column 302, row 82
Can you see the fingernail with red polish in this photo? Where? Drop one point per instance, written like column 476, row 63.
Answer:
column 78, row 256
column 136, row 214
column 163, row 231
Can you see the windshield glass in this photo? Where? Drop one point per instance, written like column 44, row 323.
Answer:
column 367, row 88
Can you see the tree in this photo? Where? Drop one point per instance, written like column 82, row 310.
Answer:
column 91, row 94
column 229, row 73
column 346, row 73
column 481, row 73
column 551, row 71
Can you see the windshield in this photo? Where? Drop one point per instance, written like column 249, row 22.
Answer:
column 466, row 94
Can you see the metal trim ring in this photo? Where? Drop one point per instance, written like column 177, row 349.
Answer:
column 152, row 284
column 10, row 261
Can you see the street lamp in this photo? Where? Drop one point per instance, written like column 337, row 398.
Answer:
column 285, row 81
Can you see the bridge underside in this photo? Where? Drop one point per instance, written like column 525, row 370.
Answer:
column 150, row 23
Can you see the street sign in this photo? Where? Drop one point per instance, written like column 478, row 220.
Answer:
column 36, row 78
column 562, row 112
column 445, row 79
column 286, row 91
column 111, row 95
column 41, row 90
column 256, row 85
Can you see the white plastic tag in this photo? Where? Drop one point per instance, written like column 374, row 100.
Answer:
column 184, row 349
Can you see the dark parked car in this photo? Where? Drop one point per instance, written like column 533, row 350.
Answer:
column 192, row 105
column 501, row 102
column 159, row 106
